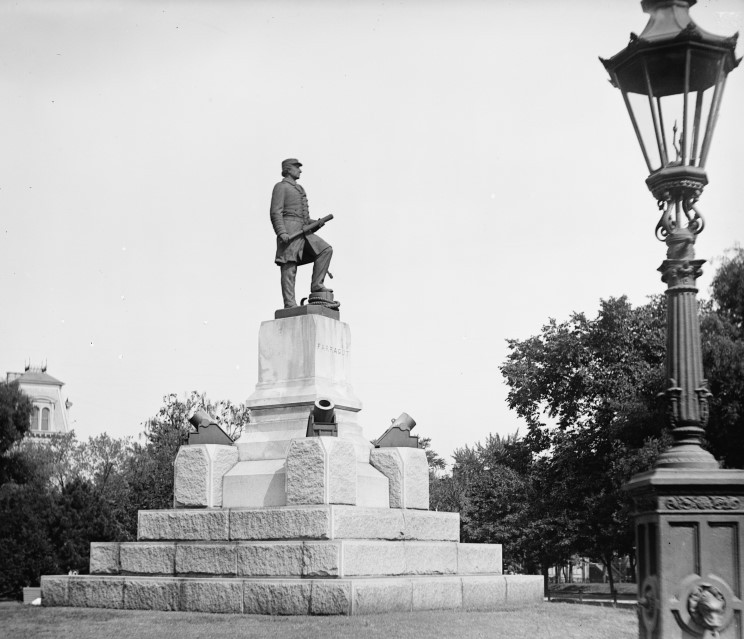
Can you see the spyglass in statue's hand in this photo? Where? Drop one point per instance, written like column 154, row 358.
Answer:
column 310, row 228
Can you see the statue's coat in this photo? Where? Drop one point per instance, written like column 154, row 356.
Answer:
column 289, row 213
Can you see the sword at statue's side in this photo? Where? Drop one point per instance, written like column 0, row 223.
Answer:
column 310, row 228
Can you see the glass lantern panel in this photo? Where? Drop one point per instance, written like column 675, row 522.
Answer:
column 677, row 136
column 639, row 104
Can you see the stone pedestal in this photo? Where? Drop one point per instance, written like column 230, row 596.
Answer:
column 303, row 525
column 301, row 359
column 689, row 544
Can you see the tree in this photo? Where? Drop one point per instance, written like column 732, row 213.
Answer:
column 444, row 493
column 56, row 460
column 49, row 518
column 15, row 416
column 587, row 389
column 727, row 288
column 722, row 336
column 82, row 516
column 151, row 465
column 434, row 461
column 27, row 551
column 106, row 463
column 509, row 496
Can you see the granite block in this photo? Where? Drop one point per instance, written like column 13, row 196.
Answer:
column 415, row 478
column 191, row 477
column 151, row 593
column 321, row 470
column 390, row 464
column 95, row 592
column 430, row 557
column 306, row 472
column 321, row 559
column 330, row 598
column 276, row 598
column 211, row 595
column 483, row 593
column 341, row 470
column 104, row 558
column 524, row 589
column 139, row 558
column 443, row 593
column 280, row 523
column 255, row 484
column 206, row 559
column 431, row 525
column 351, row 522
column 407, row 472
column 177, row 525
column 378, row 596
column 223, row 460
column 373, row 558
column 275, row 559
column 473, row 559
column 54, row 590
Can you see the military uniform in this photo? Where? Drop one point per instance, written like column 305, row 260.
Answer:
column 289, row 212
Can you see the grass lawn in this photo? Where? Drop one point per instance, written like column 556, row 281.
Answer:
column 548, row 620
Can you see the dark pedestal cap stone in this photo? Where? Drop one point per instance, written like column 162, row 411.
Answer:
column 309, row 309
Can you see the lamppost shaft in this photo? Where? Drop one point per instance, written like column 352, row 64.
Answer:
column 687, row 392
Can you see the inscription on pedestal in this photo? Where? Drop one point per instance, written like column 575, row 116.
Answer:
column 702, row 502
column 333, row 349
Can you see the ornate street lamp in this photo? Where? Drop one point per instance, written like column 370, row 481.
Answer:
column 676, row 73
column 689, row 514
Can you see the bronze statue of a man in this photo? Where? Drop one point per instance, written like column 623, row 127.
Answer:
column 289, row 213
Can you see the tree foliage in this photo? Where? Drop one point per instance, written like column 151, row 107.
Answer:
column 722, row 333
column 153, row 461
column 727, row 288
column 71, row 492
column 15, row 415
column 587, row 389
column 435, row 462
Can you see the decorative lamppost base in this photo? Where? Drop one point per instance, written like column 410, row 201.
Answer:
column 686, row 457
column 689, row 527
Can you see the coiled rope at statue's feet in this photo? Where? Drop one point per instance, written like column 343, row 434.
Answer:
column 321, row 299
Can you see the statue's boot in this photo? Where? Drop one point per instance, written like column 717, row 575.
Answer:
column 288, row 276
column 320, row 270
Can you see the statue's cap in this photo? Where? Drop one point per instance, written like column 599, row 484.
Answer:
column 290, row 162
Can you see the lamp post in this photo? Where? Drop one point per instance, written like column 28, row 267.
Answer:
column 689, row 514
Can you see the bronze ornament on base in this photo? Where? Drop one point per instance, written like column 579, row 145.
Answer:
column 689, row 516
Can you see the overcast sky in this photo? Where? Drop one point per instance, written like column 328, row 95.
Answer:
column 483, row 175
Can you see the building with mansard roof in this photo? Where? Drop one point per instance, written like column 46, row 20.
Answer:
column 49, row 414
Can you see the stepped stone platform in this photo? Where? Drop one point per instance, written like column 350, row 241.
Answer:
column 329, row 559
column 285, row 523
column 297, row 522
column 294, row 597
